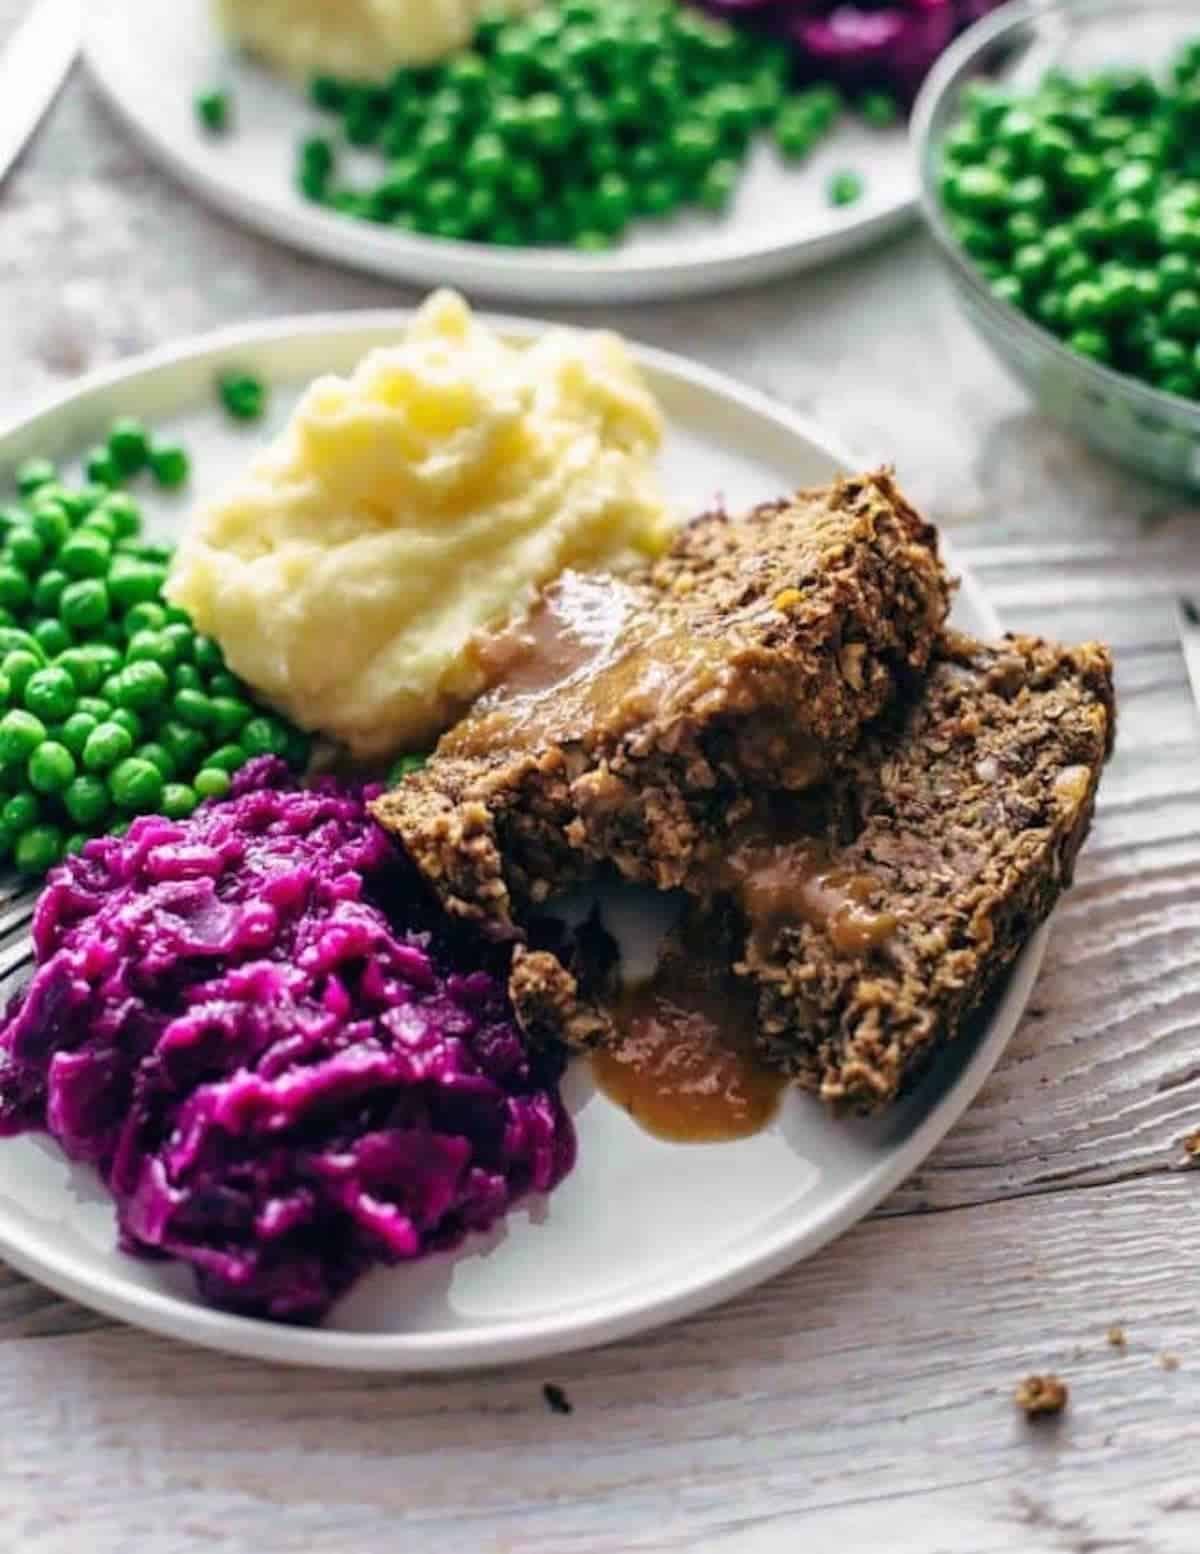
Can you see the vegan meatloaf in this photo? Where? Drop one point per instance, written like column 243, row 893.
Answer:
column 633, row 718
column 951, row 837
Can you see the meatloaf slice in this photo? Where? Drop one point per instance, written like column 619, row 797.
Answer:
column 634, row 718
column 950, row 838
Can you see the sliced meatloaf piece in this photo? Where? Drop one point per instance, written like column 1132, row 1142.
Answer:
column 949, row 839
column 634, row 719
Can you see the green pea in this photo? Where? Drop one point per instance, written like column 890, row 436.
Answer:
column 178, row 800
column 229, row 758
column 21, row 811
column 158, row 755
column 18, row 669
column 212, row 783
column 52, row 525
column 263, row 736
column 129, row 445
column 229, row 715
column 48, row 590
column 1091, row 343
column 1182, row 314
column 81, row 666
column 149, row 647
column 187, row 745
column 38, row 850
column 719, row 185
column 845, row 188
column 34, row 473
column 24, row 548
column 193, row 708
column 86, row 554
column 75, row 844
column 77, row 730
column 214, row 110
column 169, row 464
column 86, row 801
column 132, row 580
column 1165, row 356
column 110, row 688
column 147, row 616
column 225, row 685
column 101, row 468
column 141, row 685
column 107, row 744
column 186, row 677
column 136, row 786
column 94, row 707
column 52, row 637
column 100, row 522
column 84, row 605
column 51, row 767
column 50, row 694
column 207, row 656
column 243, row 395
column 129, row 720
column 879, row 109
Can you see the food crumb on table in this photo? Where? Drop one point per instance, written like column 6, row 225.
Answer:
column 1191, row 1148
column 1116, row 1337
column 1041, row 1396
column 557, row 1400
column 1169, row 1362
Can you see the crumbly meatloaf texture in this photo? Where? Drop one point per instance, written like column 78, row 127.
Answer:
column 966, row 814
column 808, row 616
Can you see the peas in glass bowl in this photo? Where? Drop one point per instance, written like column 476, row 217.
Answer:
column 1057, row 154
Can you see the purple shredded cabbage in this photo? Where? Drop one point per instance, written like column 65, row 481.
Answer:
column 890, row 44
column 283, row 1081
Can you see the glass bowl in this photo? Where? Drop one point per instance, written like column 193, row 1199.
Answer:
column 1143, row 427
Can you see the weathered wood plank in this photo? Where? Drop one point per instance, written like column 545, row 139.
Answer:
column 794, row 1405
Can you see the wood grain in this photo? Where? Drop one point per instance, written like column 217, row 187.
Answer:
column 864, row 1400
column 882, row 1370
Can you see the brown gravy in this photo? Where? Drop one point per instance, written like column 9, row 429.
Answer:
column 590, row 655
column 685, row 1069
column 777, row 883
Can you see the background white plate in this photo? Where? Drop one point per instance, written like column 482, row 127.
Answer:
column 151, row 58
column 642, row 1231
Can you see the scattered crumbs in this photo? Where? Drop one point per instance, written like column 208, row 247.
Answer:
column 1191, row 1148
column 1042, row 1396
column 1116, row 1337
column 1169, row 1362
column 557, row 1400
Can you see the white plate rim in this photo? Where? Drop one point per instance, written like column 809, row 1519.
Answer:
column 582, row 1327
column 525, row 275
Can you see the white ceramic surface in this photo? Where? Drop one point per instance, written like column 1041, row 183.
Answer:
column 151, row 58
column 642, row 1231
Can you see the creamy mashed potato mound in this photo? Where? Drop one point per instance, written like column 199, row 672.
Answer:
column 408, row 507
column 359, row 40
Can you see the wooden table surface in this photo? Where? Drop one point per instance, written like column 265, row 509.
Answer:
column 863, row 1400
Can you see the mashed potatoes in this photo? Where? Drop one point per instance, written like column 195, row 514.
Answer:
column 355, row 40
column 413, row 504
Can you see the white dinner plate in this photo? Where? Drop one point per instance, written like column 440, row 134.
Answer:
column 150, row 59
column 641, row 1231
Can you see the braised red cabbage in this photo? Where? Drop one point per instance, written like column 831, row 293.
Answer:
column 890, row 44
column 282, row 1073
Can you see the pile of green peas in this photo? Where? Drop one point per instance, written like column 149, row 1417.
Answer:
column 1080, row 202
column 111, row 704
column 564, row 125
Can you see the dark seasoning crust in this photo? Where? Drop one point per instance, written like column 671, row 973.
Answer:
column 814, row 611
